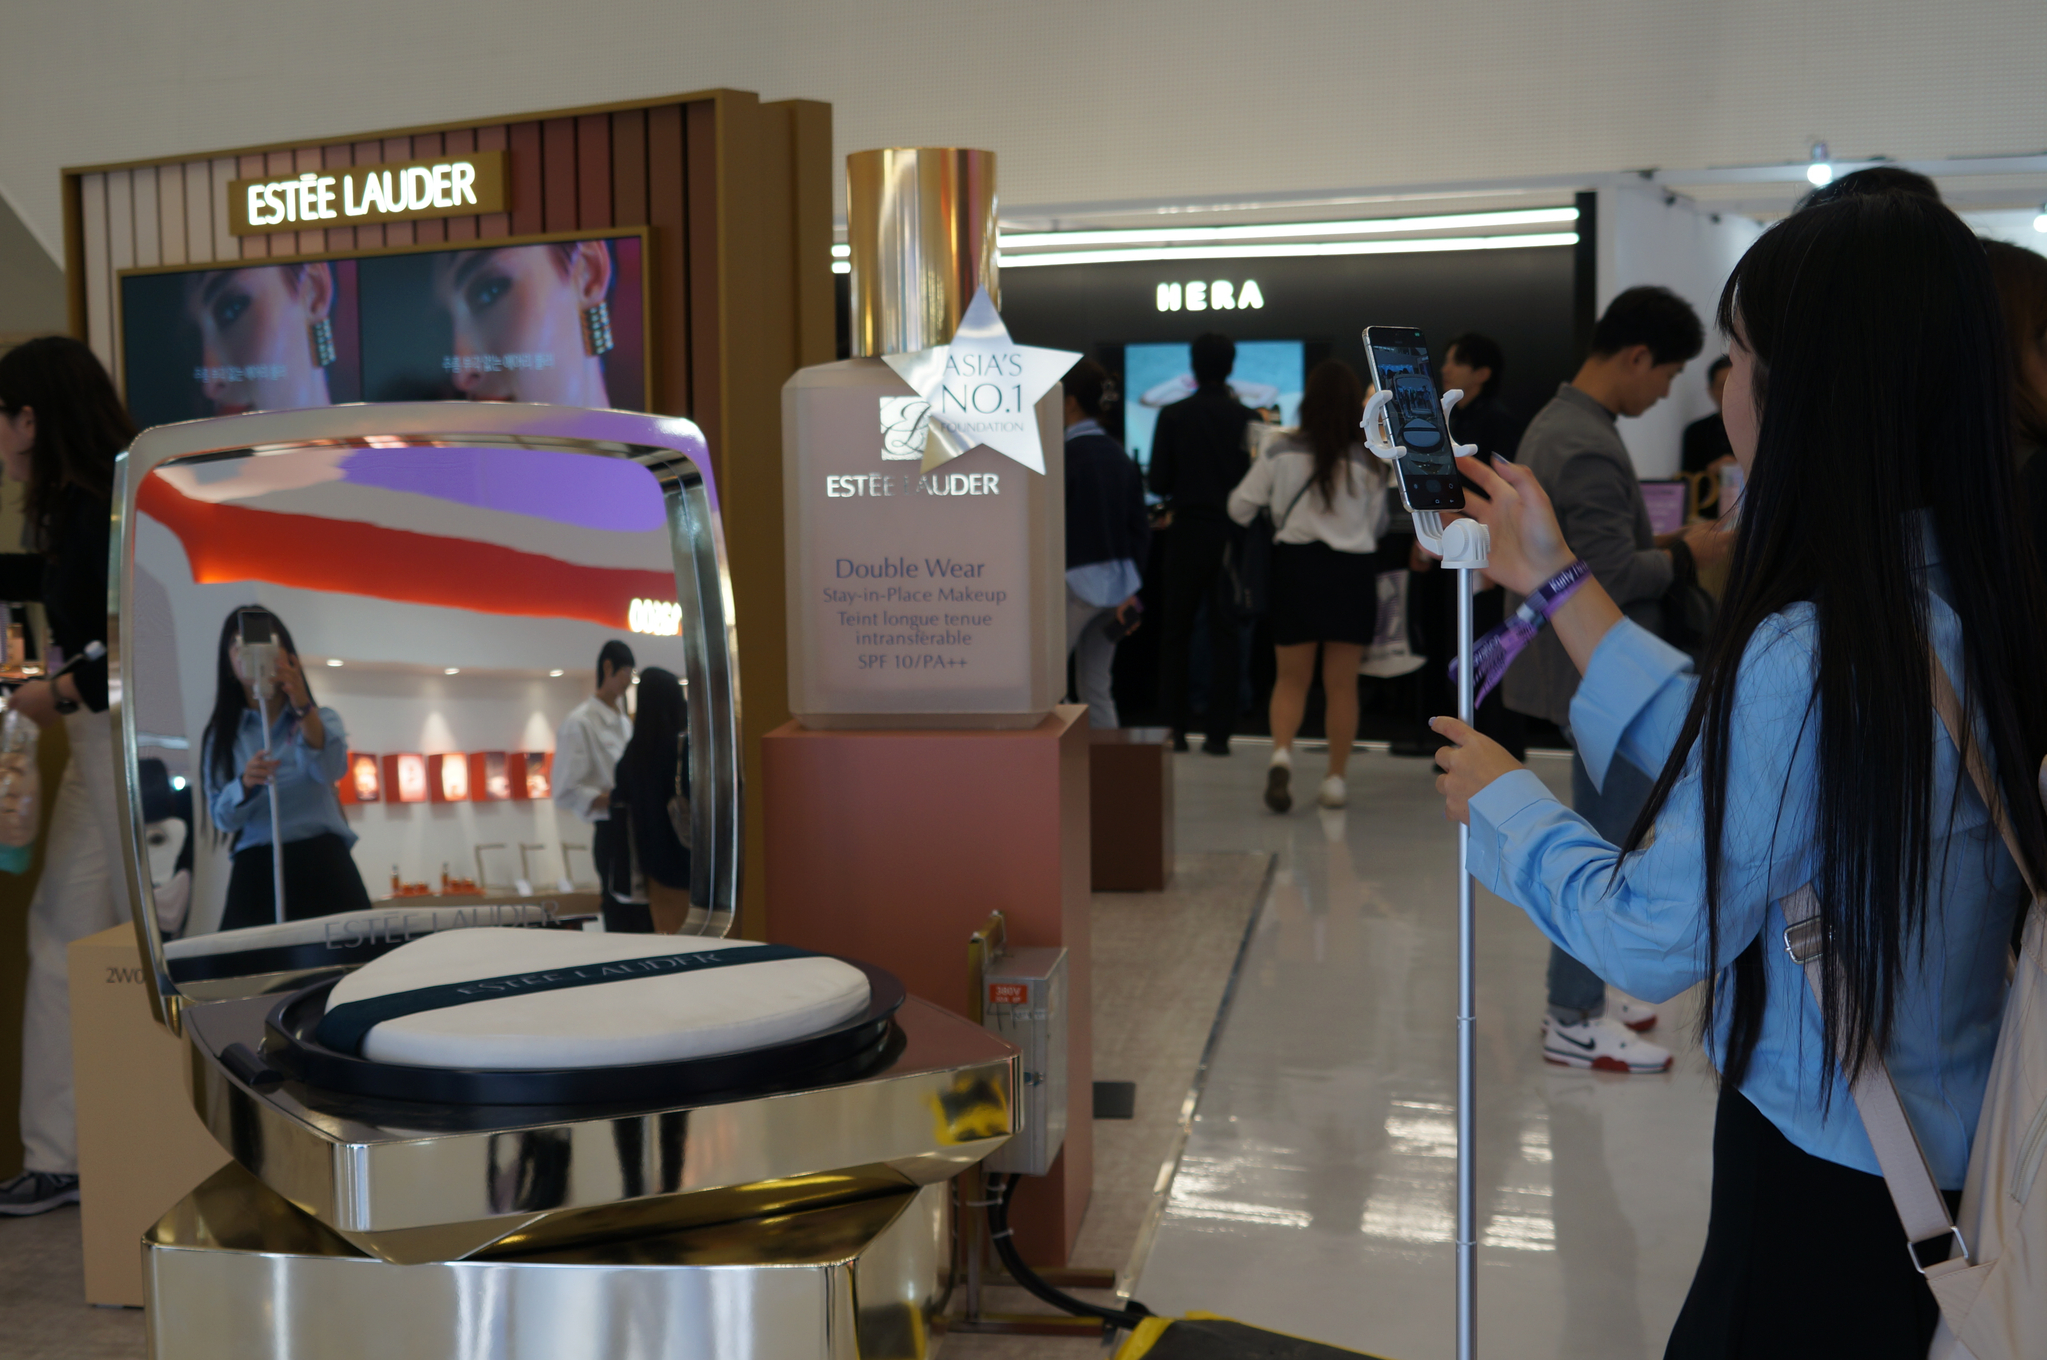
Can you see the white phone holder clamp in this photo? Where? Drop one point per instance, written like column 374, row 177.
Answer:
column 1460, row 543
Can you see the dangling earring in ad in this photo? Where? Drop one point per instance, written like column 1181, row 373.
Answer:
column 321, row 333
column 597, row 329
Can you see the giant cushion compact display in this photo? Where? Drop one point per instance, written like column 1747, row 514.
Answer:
column 665, row 1017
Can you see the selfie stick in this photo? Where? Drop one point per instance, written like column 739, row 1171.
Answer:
column 259, row 659
column 1463, row 544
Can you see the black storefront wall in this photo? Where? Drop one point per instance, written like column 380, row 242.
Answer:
column 1522, row 298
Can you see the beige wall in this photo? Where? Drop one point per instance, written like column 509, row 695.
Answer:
column 1084, row 100
column 31, row 284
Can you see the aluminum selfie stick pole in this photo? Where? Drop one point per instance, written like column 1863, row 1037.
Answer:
column 1463, row 545
column 276, row 822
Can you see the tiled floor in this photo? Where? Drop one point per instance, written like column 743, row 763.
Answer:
column 1317, row 1193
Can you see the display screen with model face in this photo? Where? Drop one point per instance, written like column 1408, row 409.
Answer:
column 560, row 322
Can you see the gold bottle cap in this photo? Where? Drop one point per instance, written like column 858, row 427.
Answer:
column 921, row 225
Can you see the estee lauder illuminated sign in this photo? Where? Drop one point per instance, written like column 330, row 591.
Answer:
column 366, row 195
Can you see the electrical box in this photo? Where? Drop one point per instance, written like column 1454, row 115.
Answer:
column 1023, row 999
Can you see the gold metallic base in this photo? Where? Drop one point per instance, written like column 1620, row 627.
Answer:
column 236, row 1270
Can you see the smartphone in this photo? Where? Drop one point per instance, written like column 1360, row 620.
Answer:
column 253, row 627
column 1400, row 365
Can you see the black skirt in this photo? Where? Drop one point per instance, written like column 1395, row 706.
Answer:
column 1804, row 1257
column 1322, row 595
column 320, row 879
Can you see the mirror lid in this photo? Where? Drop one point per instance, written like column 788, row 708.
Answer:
column 645, row 439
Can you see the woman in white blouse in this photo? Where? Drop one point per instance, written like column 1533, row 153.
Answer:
column 1327, row 501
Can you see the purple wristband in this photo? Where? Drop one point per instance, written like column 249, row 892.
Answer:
column 1492, row 654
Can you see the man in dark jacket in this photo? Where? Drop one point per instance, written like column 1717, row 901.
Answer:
column 1108, row 532
column 1198, row 455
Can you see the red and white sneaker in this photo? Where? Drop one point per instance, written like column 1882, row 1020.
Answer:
column 1638, row 1016
column 1604, row 1045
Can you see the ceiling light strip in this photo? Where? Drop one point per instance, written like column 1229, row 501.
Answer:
column 1292, row 250
column 1266, row 231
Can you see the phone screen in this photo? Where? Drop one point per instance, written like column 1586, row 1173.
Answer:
column 254, row 627
column 1400, row 365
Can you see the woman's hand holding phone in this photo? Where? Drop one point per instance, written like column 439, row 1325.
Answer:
column 1527, row 544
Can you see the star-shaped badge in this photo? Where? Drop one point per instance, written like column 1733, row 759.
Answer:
column 983, row 388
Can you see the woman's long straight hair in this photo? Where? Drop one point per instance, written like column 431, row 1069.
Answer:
column 80, row 426
column 1883, row 384
column 1332, row 408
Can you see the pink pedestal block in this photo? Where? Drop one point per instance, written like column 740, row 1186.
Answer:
column 893, row 847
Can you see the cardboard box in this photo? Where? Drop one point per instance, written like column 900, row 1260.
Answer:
column 141, row 1148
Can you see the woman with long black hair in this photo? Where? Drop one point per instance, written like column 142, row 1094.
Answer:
column 649, row 890
column 61, row 425
column 1869, row 405
column 304, row 753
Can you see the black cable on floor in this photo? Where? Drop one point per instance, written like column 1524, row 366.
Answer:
column 998, row 1229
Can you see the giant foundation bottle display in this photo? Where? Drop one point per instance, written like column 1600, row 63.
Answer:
column 444, row 1142
column 923, row 488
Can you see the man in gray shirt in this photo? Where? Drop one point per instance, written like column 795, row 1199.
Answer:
column 1574, row 449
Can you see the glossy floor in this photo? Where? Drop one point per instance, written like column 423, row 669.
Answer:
column 1317, row 1194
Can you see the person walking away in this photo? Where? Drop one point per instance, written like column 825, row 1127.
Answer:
column 1108, row 532
column 1804, row 767
column 61, row 424
column 1574, row 450
column 1327, row 500
column 586, row 752
column 1198, row 455
column 650, row 792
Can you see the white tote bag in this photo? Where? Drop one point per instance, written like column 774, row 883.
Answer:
column 1992, row 1289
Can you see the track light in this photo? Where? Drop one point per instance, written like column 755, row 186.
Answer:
column 1819, row 174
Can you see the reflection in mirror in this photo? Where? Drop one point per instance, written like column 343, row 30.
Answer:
column 416, row 667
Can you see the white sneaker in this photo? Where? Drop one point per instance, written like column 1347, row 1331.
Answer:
column 1278, row 776
column 1638, row 1016
column 1334, row 794
column 1604, row 1045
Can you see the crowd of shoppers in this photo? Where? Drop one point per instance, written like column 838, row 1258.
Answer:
column 1108, row 532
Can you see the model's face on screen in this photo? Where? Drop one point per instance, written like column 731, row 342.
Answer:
column 255, row 333
column 521, row 311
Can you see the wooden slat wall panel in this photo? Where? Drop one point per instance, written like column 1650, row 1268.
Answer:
column 332, row 159
column 593, row 171
column 249, row 247
column 705, row 263
column 226, row 245
column 397, row 149
column 461, row 143
column 199, row 246
column 99, row 279
column 170, row 213
column 370, row 237
column 668, row 258
column 629, row 168
column 120, row 255
column 496, row 138
column 148, row 224
column 558, row 174
column 433, row 230
column 280, row 165
column 523, row 139
column 313, row 242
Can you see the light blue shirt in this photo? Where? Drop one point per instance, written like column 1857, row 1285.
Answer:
column 1644, row 929
column 307, row 802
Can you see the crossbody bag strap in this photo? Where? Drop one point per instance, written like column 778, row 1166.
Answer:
column 1916, row 1194
column 1281, row 524
column 1949, row 707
